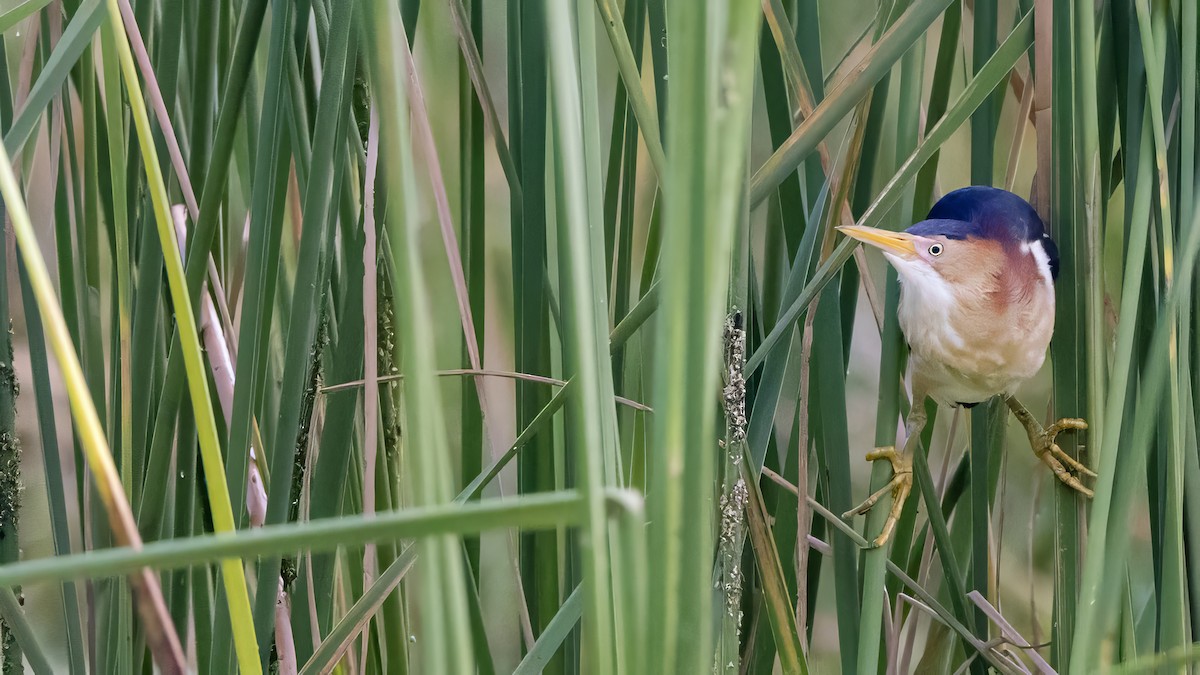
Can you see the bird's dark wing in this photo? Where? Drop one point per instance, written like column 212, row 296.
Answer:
column 1051, row 253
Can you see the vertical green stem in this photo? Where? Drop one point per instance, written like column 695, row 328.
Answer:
column 443, row 609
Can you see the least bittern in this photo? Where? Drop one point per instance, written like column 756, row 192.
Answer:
column 977, row 309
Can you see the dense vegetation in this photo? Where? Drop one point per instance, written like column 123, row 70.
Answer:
column 539, row 351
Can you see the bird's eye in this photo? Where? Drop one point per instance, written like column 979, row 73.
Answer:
column 935, row 250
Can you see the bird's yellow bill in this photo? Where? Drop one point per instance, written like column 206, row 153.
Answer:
column 892, row 242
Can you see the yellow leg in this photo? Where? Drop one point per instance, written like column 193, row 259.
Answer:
column 900, row 486
column 1042, row 440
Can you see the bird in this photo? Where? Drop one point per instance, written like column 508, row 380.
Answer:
column 977, row 311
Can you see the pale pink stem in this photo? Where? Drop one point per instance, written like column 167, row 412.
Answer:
column 1010, row 633
column 256, row 494
column 370, row 352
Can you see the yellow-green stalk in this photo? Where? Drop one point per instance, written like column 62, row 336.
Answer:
column 232, row 573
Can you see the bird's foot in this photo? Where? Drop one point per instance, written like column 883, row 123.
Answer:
column 900, row 485
column 1064, row 466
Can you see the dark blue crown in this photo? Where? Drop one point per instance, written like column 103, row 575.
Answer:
column 987, row 213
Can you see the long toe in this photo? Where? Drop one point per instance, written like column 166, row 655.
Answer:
column 899, row 497
column 1065, row 467
column 1066, row 477
column 900, row 463
column 899, row 486
column 870, row 502
column 1076, row 465
column 1066, row 424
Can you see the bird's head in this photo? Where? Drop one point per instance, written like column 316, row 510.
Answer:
column 973, row 239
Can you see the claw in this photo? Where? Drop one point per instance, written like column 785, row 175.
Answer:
column 1064, row 424
column 1047, row 450
column 1042, row 442
column 900, row 486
